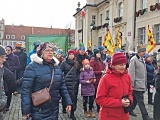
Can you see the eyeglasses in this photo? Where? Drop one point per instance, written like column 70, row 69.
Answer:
column 3, row 57
column 49, row 50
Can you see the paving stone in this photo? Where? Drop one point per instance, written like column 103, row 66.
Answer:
column 14, row 112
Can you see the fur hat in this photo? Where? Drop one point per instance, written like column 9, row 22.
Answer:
column 70, row 51
column 85, row 61
column 42, row 47
column 2, row 50
column 118, row 58
column 141, row 48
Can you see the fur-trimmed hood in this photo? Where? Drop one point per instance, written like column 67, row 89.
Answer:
column 35, row 58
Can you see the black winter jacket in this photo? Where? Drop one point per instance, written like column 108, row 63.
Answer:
column 9, row 80
column 156, row 109
column 72, row 79
column 36, row 77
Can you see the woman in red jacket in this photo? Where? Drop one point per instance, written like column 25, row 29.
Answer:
column 114, row 93
column 98, row 68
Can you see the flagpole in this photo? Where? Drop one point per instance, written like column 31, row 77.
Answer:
column 82, row 29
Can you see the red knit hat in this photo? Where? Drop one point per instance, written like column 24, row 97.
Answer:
column 118, row 58
column 71, row 51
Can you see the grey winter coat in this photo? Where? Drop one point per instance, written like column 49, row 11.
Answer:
column 3, row 97
column 138, row 73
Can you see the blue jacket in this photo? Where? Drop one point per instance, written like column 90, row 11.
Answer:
column 150, row 73
column 36, row 77
column 28, row 57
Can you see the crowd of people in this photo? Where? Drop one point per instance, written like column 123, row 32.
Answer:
column 115, row 83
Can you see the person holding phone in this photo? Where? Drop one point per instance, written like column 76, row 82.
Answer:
column 114, row 93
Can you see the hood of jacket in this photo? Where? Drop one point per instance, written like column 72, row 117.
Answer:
column 35, row 58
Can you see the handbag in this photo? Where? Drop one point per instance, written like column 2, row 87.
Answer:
column 42, row 96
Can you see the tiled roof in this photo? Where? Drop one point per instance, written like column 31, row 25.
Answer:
column 19, row 31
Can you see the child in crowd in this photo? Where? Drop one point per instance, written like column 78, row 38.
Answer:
column 87, row 78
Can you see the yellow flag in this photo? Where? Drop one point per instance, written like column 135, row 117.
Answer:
column 89, row 43
column 109, row 43
column 151, row 42
column 119, row 39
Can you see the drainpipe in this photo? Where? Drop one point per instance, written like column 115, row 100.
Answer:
column 134, row 34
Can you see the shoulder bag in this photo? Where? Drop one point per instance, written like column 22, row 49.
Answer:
column 42, row 96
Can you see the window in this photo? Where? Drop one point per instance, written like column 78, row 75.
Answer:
column 157, row 35
column 100, row 41
column 101, row 18
column 22, row 37
column 12, row 36
column 158, row 1
column 93, row 19
column 7, row 36
column 141, row 35
column 0, row 35
column 107, row 14
column 120, row 9
column 10, row 43
column 5, row 43
column 14, row 43
column 144, row 4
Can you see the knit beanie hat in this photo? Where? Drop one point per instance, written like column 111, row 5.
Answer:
column 141, row 48
column 59, row 52
column 18, row 45
column 118, row 58
column 42, row 47
column 85, row 61
column 82, row 48
column 2, row 50
column 101, row 48
column 146, row 56
column 10, row 47
column 36, row 44
column 70, row 51
column 95, row 51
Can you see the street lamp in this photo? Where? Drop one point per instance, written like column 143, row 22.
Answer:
column 107, row 22
column 91, row 26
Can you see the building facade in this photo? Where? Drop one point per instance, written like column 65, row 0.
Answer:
column 122, row 16
column 2, row 29
column 11, row 34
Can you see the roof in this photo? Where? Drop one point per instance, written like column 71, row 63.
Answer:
column 20, row 31
column 91, row 5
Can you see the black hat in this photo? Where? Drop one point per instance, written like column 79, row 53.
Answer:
column 2, row 50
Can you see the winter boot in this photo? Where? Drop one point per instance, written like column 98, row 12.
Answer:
column 91, row 114
column 86, row 114
column 72, row 116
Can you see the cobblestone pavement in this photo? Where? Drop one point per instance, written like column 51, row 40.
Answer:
column 15, row 111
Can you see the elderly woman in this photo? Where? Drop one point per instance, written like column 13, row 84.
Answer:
column 114, row 93
column 38, row 76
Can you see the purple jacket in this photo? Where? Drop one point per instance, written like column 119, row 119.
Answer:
column 87, row 89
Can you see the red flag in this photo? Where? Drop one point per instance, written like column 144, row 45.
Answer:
column 83, row 13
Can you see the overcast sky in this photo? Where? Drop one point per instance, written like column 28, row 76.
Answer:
column 40, row 13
